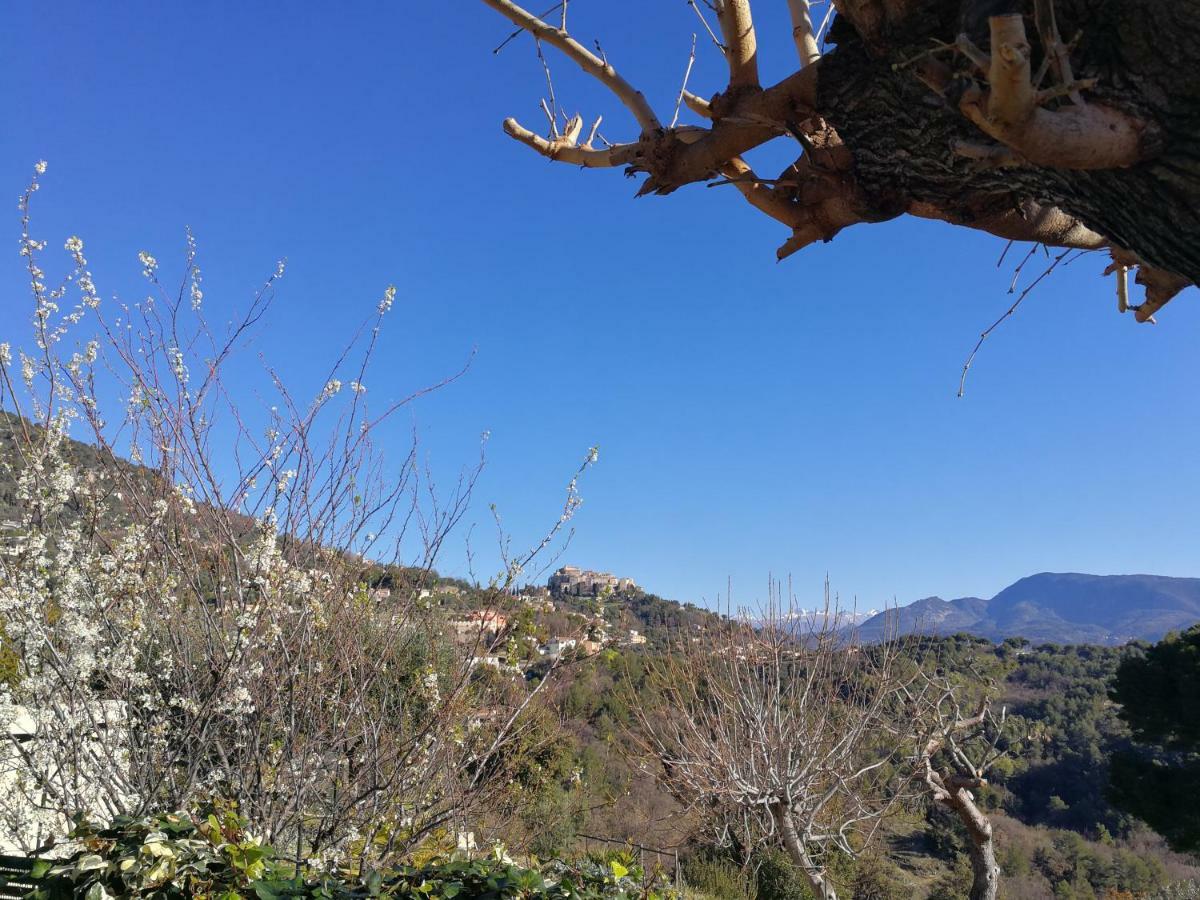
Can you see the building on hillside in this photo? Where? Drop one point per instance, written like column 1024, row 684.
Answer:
column 537, row 603
column 579, row 582
column 485, row 623
column 556, row 647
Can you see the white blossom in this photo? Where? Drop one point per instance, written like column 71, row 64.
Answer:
column 389, row 297
column 149, row 263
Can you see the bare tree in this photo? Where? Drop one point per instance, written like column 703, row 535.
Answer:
column 972, row 112
column 955, row 749
column 782, row 724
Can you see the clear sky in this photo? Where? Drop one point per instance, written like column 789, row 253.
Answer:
column 752, row 418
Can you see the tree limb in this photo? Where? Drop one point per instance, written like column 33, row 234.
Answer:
column 741, row 46
column 1077, row 137
column 802, row 32
column 599, row 68
column 563, row 150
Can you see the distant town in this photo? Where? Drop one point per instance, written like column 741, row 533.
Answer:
column 567, row 616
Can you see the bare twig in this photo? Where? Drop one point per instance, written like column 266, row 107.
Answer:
column 584, row 58
column 707, row 28
column 962, row 382
column 687, row 73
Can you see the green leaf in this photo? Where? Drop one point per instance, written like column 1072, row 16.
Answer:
column 373, row 883
column 40, row 868
column 618, row 870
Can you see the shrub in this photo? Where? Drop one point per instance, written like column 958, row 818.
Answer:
column 211, row 855
column 185, row 600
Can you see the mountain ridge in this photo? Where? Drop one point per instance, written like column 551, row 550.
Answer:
column 1055, row 607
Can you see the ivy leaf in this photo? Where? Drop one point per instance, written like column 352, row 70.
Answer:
column 90, row 863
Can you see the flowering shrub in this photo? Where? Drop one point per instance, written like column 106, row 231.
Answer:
column 212, row 856
column 197, row 621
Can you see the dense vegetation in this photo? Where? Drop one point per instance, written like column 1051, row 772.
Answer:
column 175, row 857
column 1159, row 778
column 1059, row 832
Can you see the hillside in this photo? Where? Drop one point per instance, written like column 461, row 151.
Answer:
column 1059, row 836
column 1061, row 608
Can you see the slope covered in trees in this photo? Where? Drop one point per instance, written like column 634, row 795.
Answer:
column 1057, row 832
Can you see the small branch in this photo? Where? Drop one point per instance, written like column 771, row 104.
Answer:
column 549, row 83
column 687, row 73
column 516, row 34
column 707, row 27
column 592, row 134
column 600, row 69
column 802, row 32
column 1056, row 53
column 774, row 203
column 698, row 105
column 823, row 29
column 550, row 118
column 962, row 382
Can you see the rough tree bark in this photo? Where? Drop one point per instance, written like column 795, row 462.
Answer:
column 903, row 136
column 1074, row 123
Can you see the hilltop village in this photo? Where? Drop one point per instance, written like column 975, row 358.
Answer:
column 577, row 613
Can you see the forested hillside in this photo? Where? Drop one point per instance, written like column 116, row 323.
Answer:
column 1057, row 833
column 583, row 782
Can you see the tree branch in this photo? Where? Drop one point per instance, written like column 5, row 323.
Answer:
column 1077, row 137
column 562, row 149
column 599, row 68
column 802, row 32
column 741, row 46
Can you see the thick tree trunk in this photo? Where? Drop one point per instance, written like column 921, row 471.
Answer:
column 985, row 871
column 821, row 887
column 902, row 135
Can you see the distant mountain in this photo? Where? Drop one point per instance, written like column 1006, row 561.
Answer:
column 933, row 615
column 1066, row 608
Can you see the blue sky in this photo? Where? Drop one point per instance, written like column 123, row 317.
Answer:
column 752, row 418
